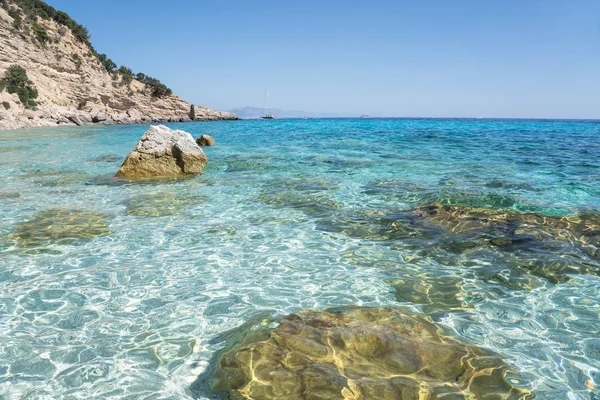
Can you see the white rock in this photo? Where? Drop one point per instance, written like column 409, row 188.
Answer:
column 163, row 152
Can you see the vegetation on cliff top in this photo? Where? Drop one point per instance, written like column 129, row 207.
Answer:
column 37, row 8
column 15, row 80
column 30, row 10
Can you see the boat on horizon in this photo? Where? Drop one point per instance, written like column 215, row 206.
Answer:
column 267, row 106
column 365, row 116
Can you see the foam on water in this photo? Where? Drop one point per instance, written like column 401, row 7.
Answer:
column 137, row 313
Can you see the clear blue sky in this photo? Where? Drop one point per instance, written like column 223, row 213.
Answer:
column 489, row 58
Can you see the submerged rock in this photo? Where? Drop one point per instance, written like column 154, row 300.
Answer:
column 163, row 152
column 205, row 141
column 311, row 204
column 498, row 184
column 435, row 293
column 339, row 162
column 11, row 149
column 64, row 180
column 397, row 190
column 303, row 184
column 489, row 240
column 373, row 224
column 359, row 353
column 245, row 165
column 60, row 226
column 54, row 177
column 414, row 193
column 583, row 228
column 45, row 173
column 161, row 204
column 107, row 158
column 10, row 195
column 485, row 200
column 527, row 243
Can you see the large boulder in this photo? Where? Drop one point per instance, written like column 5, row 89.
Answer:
column 98, row 116
column 358, row 353
column 80, row 119
column 163, row 152
column 205, row 141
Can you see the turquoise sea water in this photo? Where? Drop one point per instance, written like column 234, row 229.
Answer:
column 277, row 224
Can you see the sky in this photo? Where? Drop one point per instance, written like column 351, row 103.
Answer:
column 426, row 58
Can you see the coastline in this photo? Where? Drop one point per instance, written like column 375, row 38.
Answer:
column 62, row 81
column 42, row 119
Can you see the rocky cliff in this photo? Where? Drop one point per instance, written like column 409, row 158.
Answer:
column 73, row 85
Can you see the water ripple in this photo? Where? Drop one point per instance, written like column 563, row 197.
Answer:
column 306, row 215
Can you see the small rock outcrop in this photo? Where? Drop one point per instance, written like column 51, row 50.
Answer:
column 202, row 113
column 163, row 152
column 205, row 141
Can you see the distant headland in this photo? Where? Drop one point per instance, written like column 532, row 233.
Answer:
column 50, row 74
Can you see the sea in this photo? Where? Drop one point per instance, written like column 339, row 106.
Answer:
column 119, row 289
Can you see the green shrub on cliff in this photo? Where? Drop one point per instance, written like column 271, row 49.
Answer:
column 41, row 34
column 6, row 105
column 16, row 16
column 16, row 81
column 77, row 60
column 37, row 8
column 127, row 79
column 127, row 74
column 32, row 9
column 125, row 70
column 161, row 90
column 109, row 64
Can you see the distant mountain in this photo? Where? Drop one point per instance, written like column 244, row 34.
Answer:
column 257, row 112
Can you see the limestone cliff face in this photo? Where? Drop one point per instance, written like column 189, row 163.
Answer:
column 75, row 88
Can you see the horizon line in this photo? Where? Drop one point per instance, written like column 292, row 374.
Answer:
column 473, row 118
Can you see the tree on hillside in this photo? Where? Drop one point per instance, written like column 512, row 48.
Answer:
column 109, row 64
column 15, row 80
column 125, row 70
column 27, row 12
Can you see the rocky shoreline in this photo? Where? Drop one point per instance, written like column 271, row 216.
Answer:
column 50, row 117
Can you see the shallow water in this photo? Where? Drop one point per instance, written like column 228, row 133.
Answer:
column 282, row 220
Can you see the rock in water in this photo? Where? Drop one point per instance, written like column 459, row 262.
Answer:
column 161, row 204
column 205, row 140
column 163, row 152
column 60, row 226
column 359, row 353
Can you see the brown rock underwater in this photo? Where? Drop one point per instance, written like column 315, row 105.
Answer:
column 359, row 353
